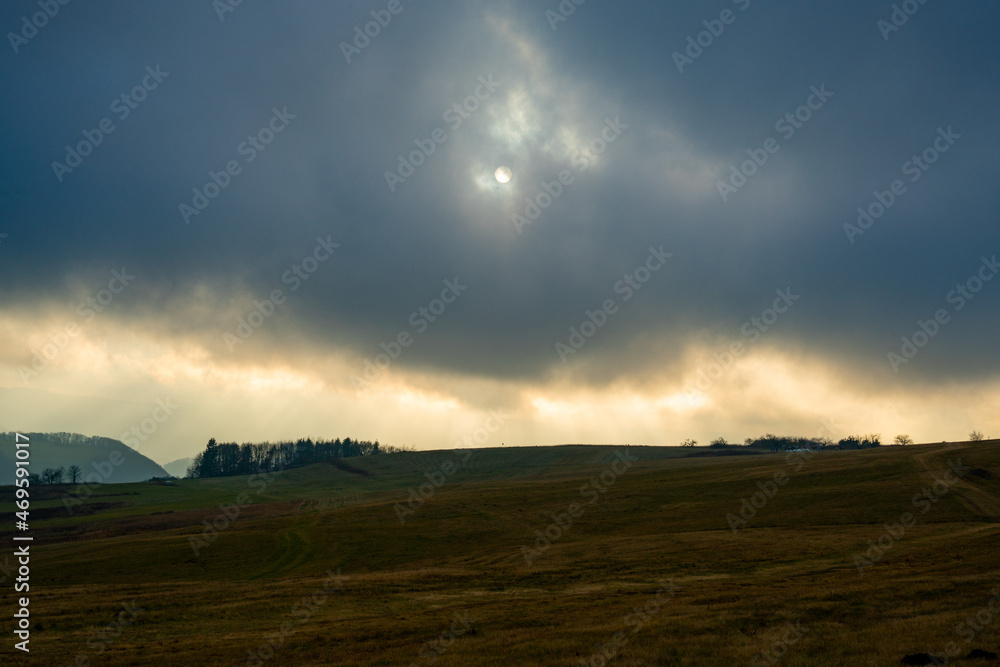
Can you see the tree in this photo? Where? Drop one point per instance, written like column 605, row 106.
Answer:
column 52, row 476
column 74, row 473
column 719, row 442
column 976, row 436
column 689, row 443
column 210, row 460
column 859, row 442
column 903, row 440
column 194, row 470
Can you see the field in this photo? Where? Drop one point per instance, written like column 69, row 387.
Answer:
column 645, row 569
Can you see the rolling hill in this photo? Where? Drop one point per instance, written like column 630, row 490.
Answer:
column 532, row 556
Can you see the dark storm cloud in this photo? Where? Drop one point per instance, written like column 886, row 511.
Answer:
column 323, row 175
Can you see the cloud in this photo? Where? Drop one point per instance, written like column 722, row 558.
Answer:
column 544, row 110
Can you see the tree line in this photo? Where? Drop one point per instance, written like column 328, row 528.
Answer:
column 71, row 474
column 777, row 443
column 228, row 458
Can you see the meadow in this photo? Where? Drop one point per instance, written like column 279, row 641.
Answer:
column 564, row 555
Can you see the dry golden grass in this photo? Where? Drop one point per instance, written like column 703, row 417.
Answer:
column 663, row 520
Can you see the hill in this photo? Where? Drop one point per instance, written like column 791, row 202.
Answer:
column 52, row 450
column 179, row 467
column 532, row 556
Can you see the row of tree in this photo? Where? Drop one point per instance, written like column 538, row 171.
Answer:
column 777, row 443
column 860, row 442
column 58, row 475
column 228, row 458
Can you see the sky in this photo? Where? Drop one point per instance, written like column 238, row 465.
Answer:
column 258, row 221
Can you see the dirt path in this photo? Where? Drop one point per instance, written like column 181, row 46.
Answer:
column 975, row 498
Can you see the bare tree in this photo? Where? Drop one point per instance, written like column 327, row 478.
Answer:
column 74, row 473
column 903, row 440
column 976, row 436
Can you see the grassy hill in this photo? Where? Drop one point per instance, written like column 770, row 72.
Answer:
column 649, row 571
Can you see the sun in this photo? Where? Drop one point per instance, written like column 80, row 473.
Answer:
column 503, row 174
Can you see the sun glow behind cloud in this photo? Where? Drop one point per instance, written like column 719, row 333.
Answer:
column 164, row 337
column 244, row 398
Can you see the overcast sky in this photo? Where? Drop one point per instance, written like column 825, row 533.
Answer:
column 689, row 174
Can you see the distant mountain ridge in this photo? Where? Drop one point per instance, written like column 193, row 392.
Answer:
column 91, row 453
column 179, row 467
